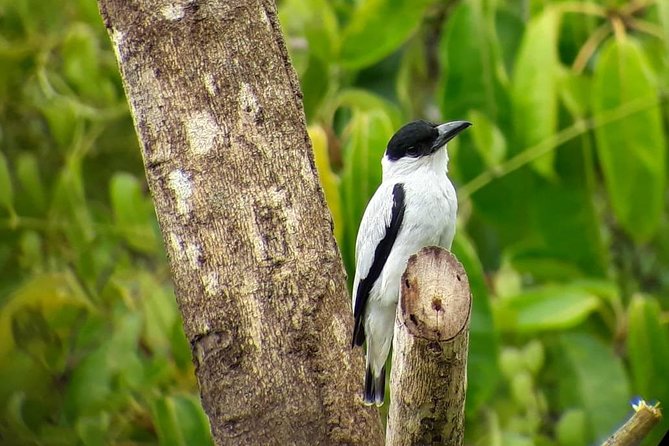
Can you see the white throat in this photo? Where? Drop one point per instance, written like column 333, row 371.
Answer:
column 405, row 167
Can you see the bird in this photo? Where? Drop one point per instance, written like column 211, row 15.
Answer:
column 414, row 206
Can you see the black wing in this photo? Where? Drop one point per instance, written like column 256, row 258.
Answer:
column 381, row 253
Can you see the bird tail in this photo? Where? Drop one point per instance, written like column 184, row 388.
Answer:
column 375, row 386
column 358, row 333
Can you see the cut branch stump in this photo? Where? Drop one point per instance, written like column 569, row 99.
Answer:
column 429, row 365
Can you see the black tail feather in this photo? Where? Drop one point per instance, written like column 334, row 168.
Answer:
column 358, row 333
column 375, row 386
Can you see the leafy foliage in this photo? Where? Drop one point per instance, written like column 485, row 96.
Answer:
column 563, row 224
column 92, row 349
column 562, row 186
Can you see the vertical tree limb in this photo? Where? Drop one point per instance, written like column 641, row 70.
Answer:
column 428, row 380
column 257, row 274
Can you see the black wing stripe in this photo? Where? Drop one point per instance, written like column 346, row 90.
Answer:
column 380, row 256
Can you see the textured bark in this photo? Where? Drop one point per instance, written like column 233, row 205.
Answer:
column 257, row 274
column 632, row 433
column 428, row 380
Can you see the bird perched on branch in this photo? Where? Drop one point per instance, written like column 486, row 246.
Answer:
column 414, row 207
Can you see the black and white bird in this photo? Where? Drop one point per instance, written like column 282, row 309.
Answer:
column 415, row 206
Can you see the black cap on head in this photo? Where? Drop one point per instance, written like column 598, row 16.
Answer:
column 422, row 138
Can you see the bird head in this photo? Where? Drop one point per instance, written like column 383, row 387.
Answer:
column 418, row 139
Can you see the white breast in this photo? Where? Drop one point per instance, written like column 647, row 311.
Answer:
column 429, row 219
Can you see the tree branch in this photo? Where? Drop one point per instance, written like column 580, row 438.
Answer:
column 637, row 427
column 428, row 378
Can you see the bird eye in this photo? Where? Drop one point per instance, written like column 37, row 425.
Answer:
column 414, row 151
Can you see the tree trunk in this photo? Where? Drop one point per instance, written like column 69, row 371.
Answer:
column 257, row 274
column 428, row 379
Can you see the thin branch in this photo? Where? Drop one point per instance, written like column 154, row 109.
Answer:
column 635, row 6
column 589, row 47
column 646, row 27
column 618, row 28
column 578, row 128
column 637, row 427
column 583, row 8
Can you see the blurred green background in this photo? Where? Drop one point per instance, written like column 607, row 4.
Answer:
column 563, row 225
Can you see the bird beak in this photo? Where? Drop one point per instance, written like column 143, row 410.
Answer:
column 449, row 131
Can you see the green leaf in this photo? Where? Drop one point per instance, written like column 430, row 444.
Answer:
column 648, row 351
column 193, row 421
column 46, row 293
column 50, row 18
column 180, row 346
column 133, row 213
column 472, row 65
column 564, row 240
column 368, row 134
column 165, row 420
column 533, row 356
column 23, row 382
column 106, row 376
column 648, row 348
column 54, row 435
column 314, row 82
column 522, row 388
column 14, row 421
column 82, row 68
column 663, row 12
column 92, row 430
column 365, row 101
column 314, row 21
column 551, row 307
column 159, row 310
column 593, row 379
column 574, row 92
column 62, row 116
column 6, row 189
column 571, row 429
column 80, row 59
column 180, row 421
column 631, row 150
column 414, row 84
column 123, row 354
column 329, row 180
column 69, row 207
column 488, row 139
column 534, row 86
column 127, row 200
column 516, row 439
column 482, row 361
column 32, row 251
column 90, row 389
column 378, row 28
column 30, row 181
column 32, row 334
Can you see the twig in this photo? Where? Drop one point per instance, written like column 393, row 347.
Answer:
column 637, row 427
column 589, row 47
column 647, row 27
column 578, row 128
column 587, row 8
